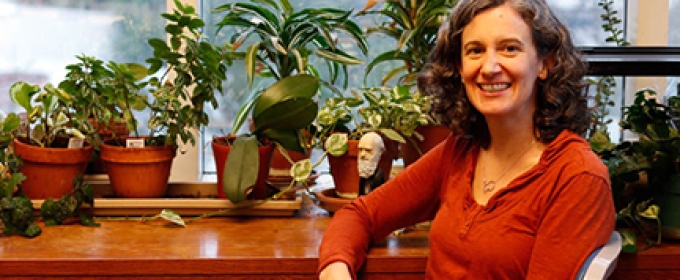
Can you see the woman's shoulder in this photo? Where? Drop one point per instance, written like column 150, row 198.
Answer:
column 572, row 153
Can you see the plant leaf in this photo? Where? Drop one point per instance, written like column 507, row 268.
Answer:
column 629, row 241
column 298, row 86
column 336, row 144
column 172, row 216
column 240, row 169
column 301, row 170
column 21, row 93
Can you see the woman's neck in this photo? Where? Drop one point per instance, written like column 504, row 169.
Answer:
column 509, row 136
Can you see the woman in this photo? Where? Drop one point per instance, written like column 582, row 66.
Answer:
column 515, row 192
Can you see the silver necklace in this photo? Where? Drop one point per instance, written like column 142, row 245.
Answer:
column 488, row 186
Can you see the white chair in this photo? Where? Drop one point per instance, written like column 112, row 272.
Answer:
column 602, row 262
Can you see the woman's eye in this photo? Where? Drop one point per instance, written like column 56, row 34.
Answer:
column 473, row 51
column 512, row 49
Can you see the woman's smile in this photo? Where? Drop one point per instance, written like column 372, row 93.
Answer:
column 494, row 88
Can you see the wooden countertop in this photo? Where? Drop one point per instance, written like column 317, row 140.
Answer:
column 241, row 247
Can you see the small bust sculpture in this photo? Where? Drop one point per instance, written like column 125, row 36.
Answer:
column 371, row 147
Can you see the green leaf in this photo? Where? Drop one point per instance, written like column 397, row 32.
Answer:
column 251, row 61
column 339, row 57
column 298, row 86
column 21, row 94
column 87, row 220
column 629, row 241
column 287, row 114
column 287, row 138
column 32, row 230
column 652, row 212
column 301, row 170
column 140, row 71
column 336, row 145
column 241, row 168
column 172, row 216
column 392, row 134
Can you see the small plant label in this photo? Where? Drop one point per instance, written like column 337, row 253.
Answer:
column 75, row 143
column 134, row 143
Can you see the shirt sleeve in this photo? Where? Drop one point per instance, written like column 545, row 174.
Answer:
column 580, row 219
column 411, row 197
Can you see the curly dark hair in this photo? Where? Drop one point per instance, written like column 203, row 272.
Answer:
column 560, row 99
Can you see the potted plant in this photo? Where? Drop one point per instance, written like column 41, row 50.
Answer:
column 645, row 173
column 280, row 42
column 277, row 113
column 392, row 112
column 427, row 132
column 16, row 210
column 101, row 93
column 185, row 73
column 53, row 148
column 287, row 39
column 414, row 26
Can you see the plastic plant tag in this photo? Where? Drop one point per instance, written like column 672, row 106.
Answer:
column 75, row 143
column 134, row 143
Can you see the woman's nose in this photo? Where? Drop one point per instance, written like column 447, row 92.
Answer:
column 490, row 65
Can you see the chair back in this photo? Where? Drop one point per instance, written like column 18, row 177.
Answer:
column 602, row 262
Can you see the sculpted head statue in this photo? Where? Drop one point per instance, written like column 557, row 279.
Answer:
column 371, row 147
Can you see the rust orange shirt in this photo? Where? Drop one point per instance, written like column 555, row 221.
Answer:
column 543, row 225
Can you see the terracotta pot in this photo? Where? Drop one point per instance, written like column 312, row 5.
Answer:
column 138, row 172
column 345, row 172
column 50, row 171
column 114, row 129
column 221, row 151
column 432, row 134
column 280, row 167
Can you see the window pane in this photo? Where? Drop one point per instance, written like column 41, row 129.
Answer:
column 41, row 37
column 673, row 23
column 582, row 17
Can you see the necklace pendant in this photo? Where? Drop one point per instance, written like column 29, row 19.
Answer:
column 488, row 186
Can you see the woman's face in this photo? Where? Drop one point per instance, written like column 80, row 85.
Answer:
column 500, row 65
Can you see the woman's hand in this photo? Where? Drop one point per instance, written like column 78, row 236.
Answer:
column 335, row 271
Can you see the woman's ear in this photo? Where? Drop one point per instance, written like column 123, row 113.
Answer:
column 547, row 64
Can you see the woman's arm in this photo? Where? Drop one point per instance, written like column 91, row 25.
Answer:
column 411, row 197
column 335, row 271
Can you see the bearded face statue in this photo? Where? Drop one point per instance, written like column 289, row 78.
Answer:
column 371, row 147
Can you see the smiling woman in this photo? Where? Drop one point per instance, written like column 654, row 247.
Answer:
column 509, row 83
